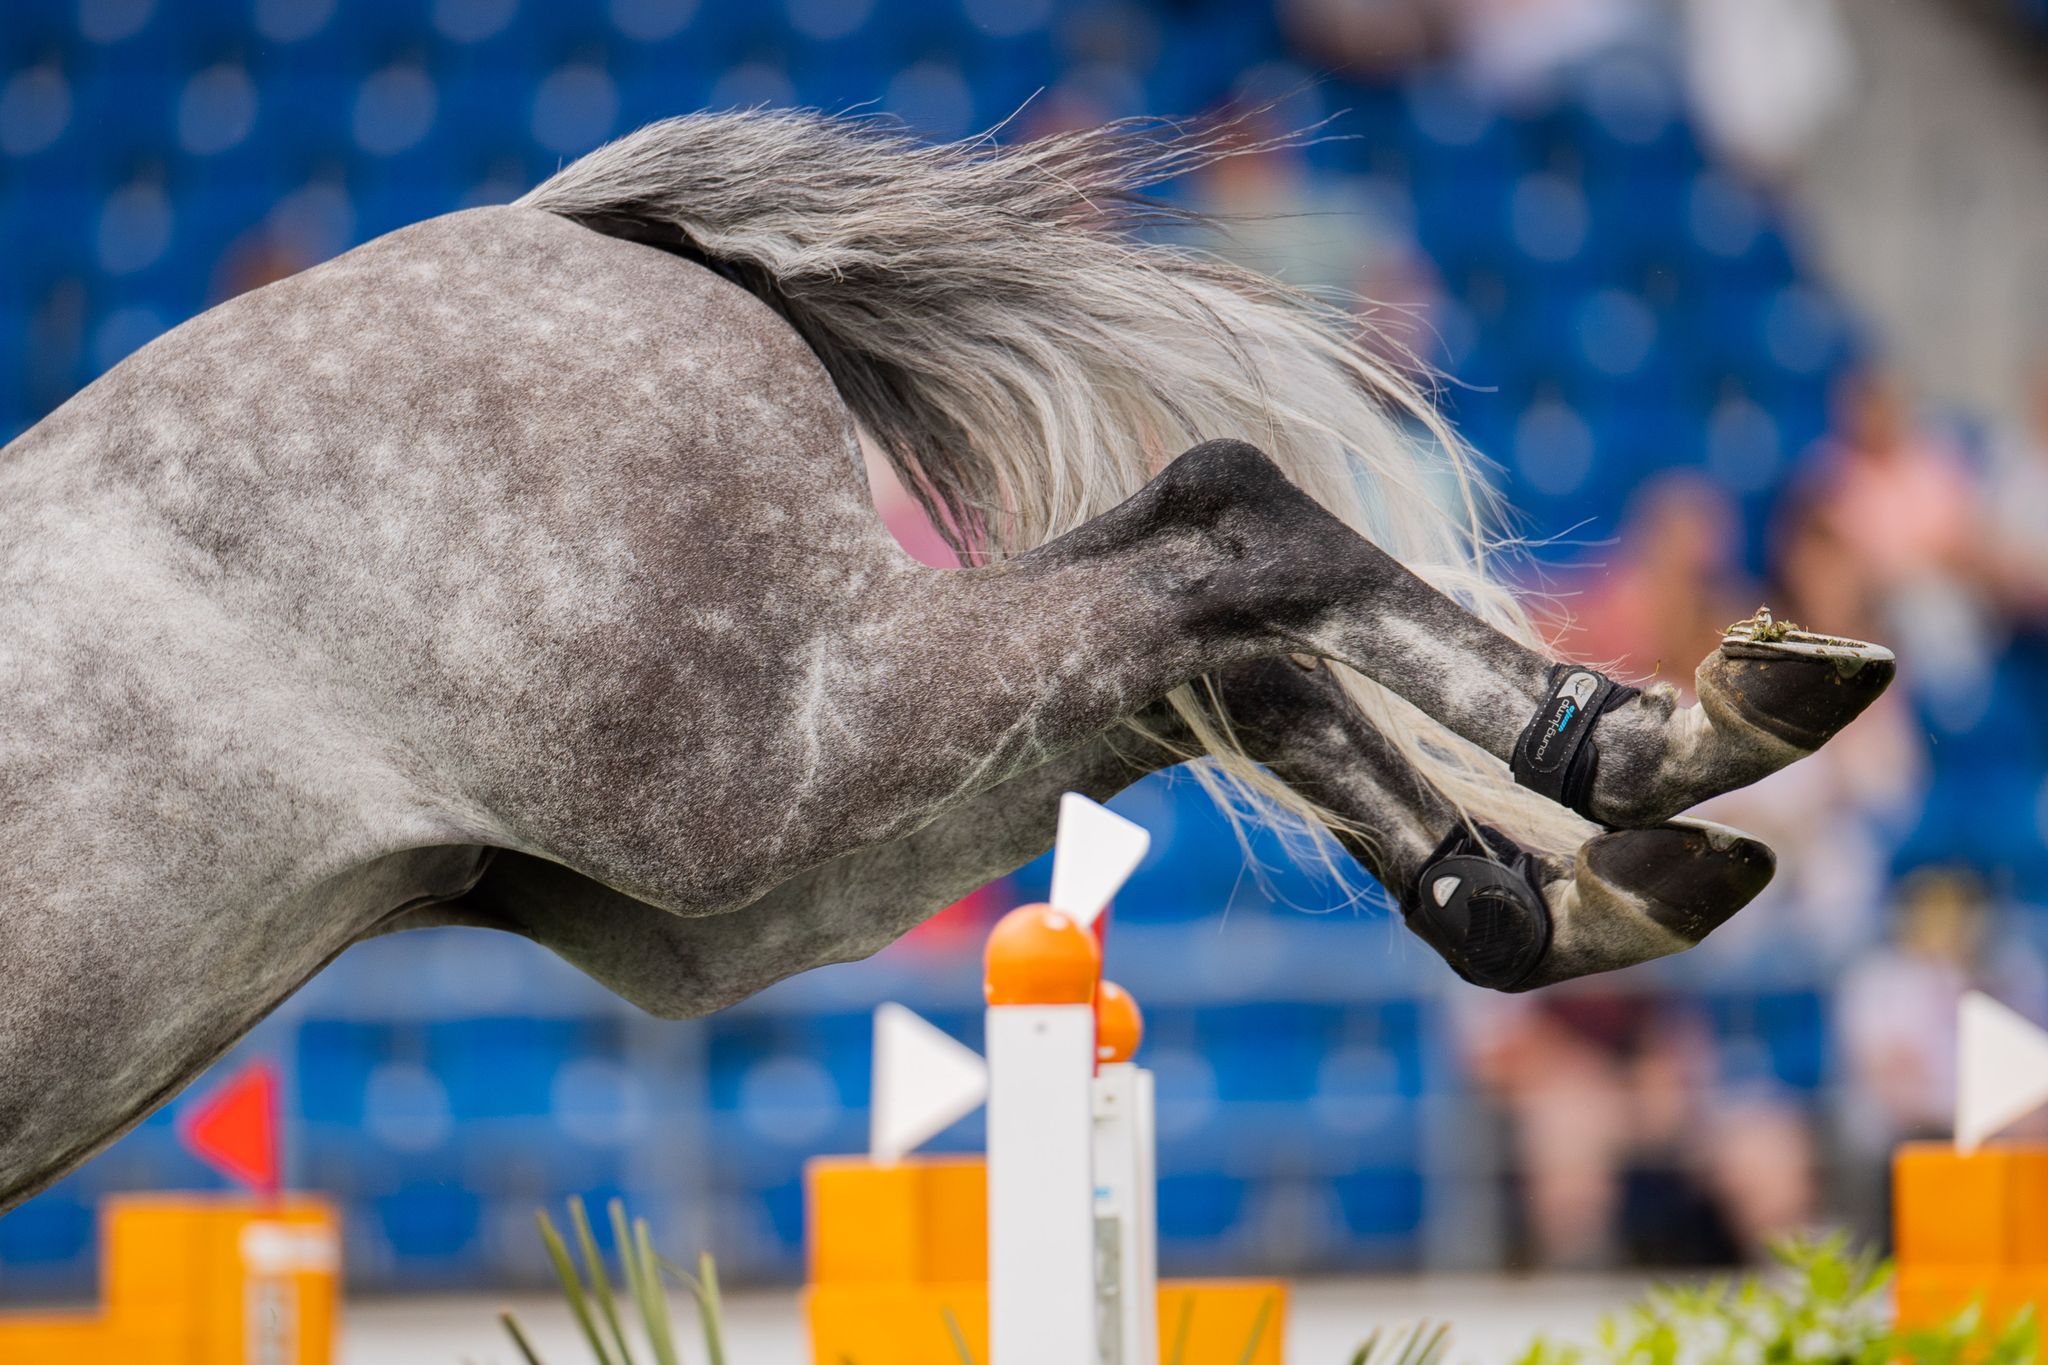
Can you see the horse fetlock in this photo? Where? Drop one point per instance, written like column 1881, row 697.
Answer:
column 1763, row 705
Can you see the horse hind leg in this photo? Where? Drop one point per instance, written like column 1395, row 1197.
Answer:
column 928, row 688
column 1501, row 915
column 1615, row 755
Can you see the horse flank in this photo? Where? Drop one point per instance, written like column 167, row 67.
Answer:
column 999, row 323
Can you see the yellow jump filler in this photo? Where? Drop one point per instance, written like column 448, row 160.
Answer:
column 1047, row 1249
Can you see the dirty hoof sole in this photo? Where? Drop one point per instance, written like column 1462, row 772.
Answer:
column 1801, row 689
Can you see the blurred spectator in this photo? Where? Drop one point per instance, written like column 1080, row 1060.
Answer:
column 1506, row 49
column 1364, row 37
column 1817, row 577
column 1513, row 49
column 1759, row 1160
column 1767, row 75
column 1670, row 589
column 2017, row 503
column 1896, row 497
column 1625, row 1152
column 1901, row 503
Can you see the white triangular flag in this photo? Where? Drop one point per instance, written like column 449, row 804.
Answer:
column 1096, row 850
column 925, row 1081
column 2001, row 1069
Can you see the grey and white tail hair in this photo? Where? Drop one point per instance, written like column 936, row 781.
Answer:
column 1027, row 359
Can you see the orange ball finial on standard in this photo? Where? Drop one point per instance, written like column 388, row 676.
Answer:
column 1041, row 956
column 1119, row 1024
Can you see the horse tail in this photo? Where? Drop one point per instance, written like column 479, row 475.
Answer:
column 1026, row 356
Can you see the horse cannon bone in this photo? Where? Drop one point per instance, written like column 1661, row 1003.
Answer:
column 1046, row 1248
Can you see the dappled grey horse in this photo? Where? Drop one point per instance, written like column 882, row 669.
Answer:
column 518, row 569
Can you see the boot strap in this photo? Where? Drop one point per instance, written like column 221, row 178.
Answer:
column 1556, row 755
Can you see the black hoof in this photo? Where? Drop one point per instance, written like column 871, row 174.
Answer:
column 1688, row 877
column 1798, row 688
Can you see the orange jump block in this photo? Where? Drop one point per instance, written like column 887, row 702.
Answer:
column 1201, row 1322
column 1970, row 1228
column 922, row 1220
column 192, row 1279
column 899, row 1273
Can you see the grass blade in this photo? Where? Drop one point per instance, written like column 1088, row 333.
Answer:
column 711, row 1307
column 1251, row 1345
column 1181, row 1327
column 572, row 1288
column 654, row 1307
column 1428, row 1345
column 519, row 1340
column 636, row 1280
column 959, row 1337
column 600, row 1282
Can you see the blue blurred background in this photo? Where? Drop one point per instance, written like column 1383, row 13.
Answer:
column 1569, row 208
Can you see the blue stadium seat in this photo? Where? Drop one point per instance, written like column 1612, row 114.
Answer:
column 1382, row 1210
column 53, row 1231
column 333, row 1062
column 501, row 1067
column 429, row 1227
column 1268, row 1051
column 1198, row 1207
column 1781, row 1037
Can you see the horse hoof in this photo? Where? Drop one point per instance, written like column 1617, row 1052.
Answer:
column 1791, row 687
column 1688, row 877
column 1507, row 920
column 1769, row 695
column 1638, row 894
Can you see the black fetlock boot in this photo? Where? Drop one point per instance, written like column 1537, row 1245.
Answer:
column 1478, row 902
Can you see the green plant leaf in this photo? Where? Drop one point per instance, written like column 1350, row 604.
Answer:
column 1181, row 1326
column 1259, row 1320
column 1825, row 1304
column 1422, row 1344
column 629, row 1265
column 601, row 1282
column 572, row 1287
column 519, row 1341
column 959, row 1337
column 654, row 1296
column 711, row 1307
